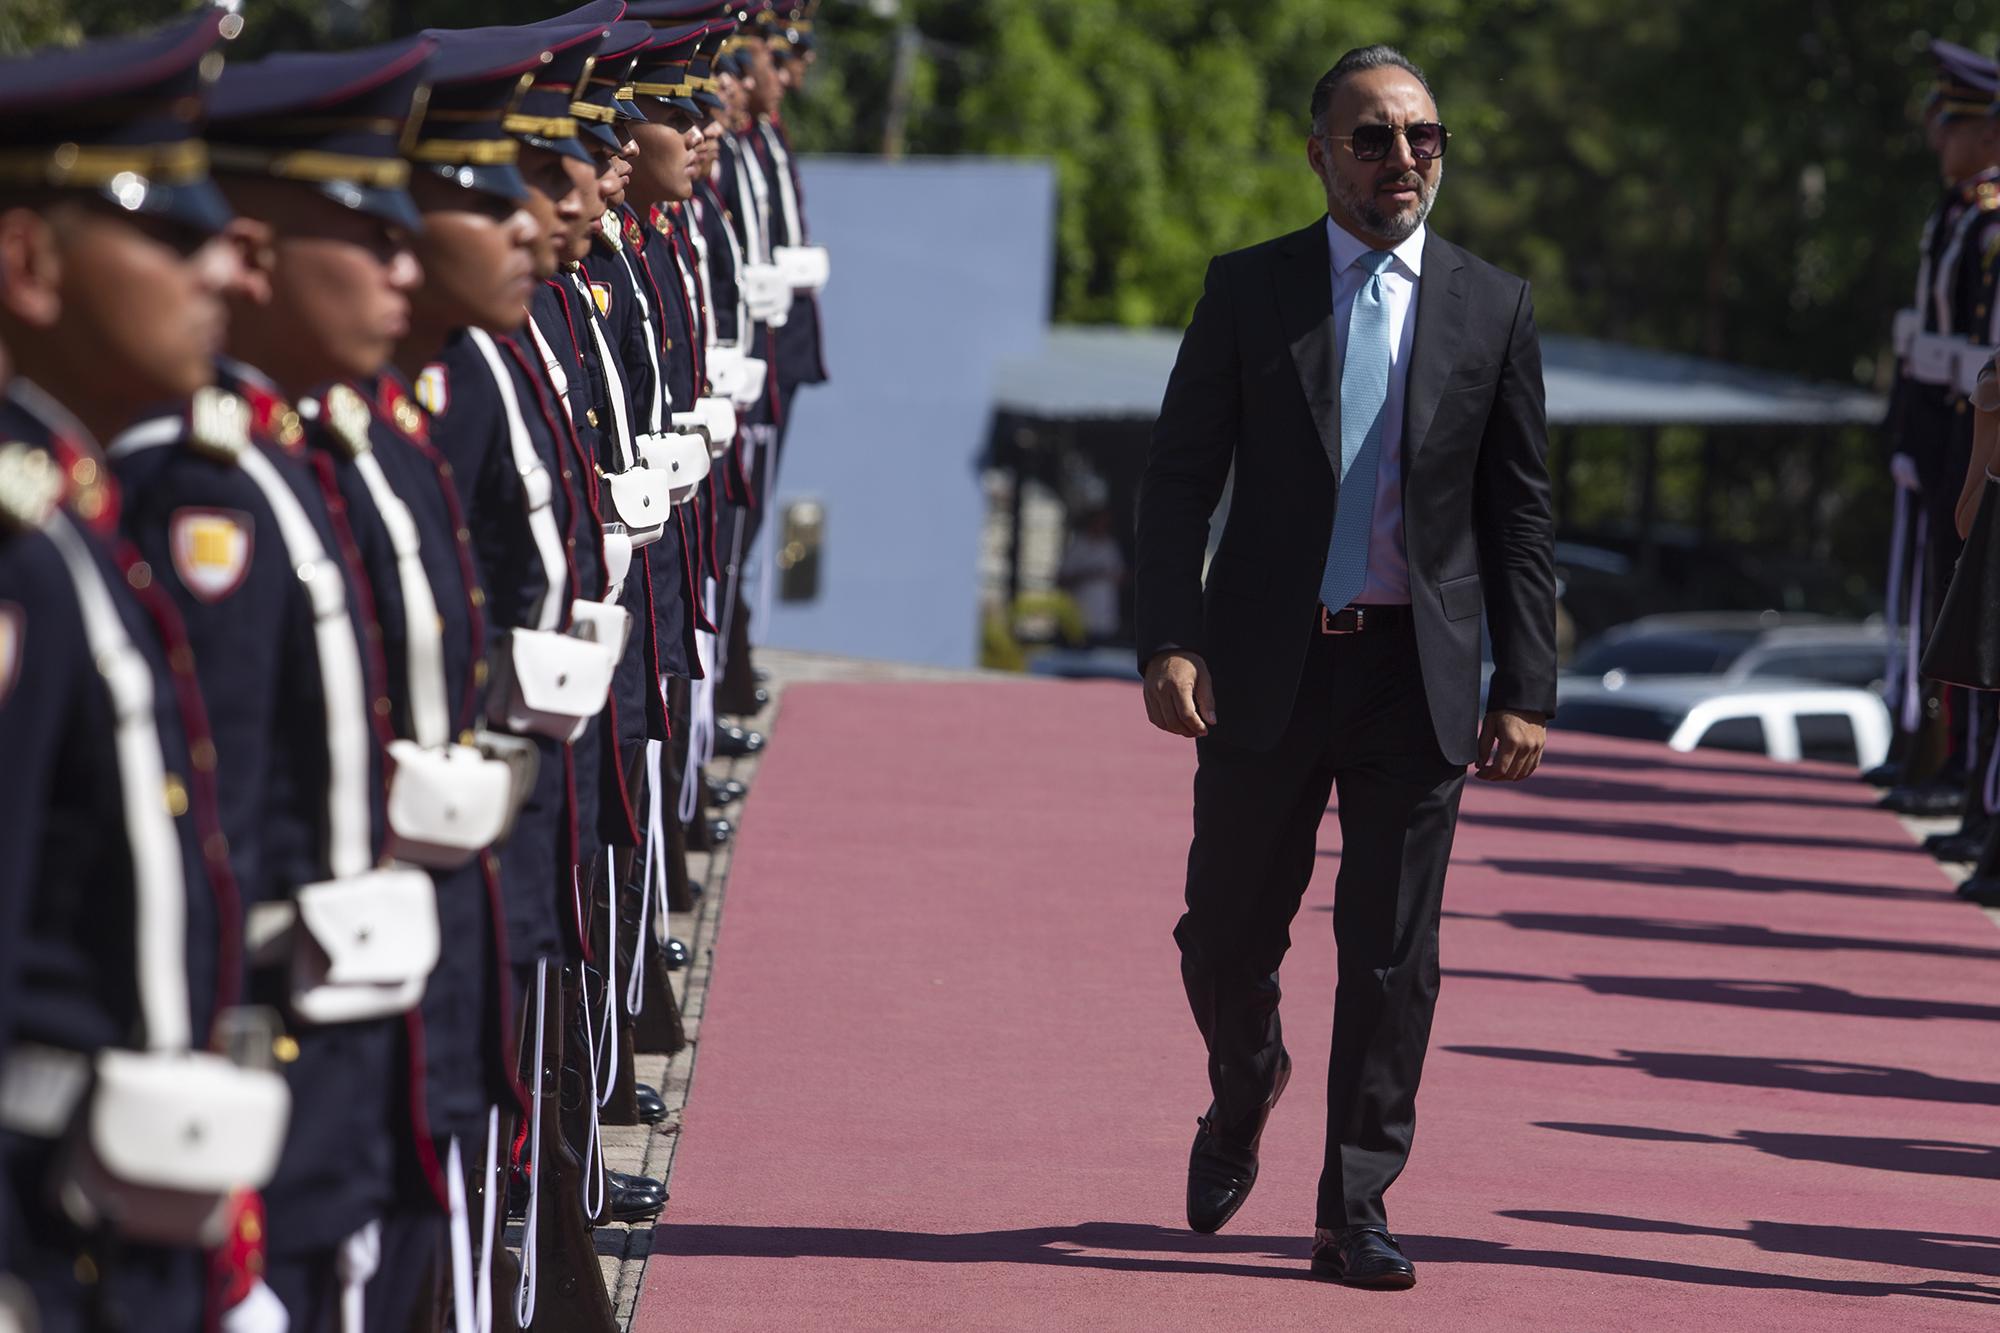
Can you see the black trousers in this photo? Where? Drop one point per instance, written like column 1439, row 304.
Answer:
column 1361, row 727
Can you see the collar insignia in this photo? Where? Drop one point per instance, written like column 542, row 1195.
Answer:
column 348, row 416
column 31, row 486
column 218, row 425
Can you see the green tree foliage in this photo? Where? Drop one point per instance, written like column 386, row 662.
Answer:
column 1742, row 180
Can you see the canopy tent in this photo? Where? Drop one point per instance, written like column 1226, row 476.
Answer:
column 1086, row 373
column 1084, row 404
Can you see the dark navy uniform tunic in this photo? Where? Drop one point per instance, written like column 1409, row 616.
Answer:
column 251, row 624
column 460, row 1027
column 68, row 926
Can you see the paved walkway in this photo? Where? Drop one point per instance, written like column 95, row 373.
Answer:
column 1715, row 1049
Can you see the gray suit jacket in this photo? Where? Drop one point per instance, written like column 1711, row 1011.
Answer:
column 1256, row 387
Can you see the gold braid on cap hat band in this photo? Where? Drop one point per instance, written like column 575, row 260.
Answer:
column 545, row 127
column 663, row 89
column 602, row 115
column 1962, row 106
column 86, row 165
column 466, row 152
column 309, row 164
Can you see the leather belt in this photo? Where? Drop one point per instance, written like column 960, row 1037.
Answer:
column 1362, row 619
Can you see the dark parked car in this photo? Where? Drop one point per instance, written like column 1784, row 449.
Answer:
column 1739, row 647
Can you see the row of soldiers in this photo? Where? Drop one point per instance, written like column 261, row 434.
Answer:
column 1945, row 759
column 386, row 435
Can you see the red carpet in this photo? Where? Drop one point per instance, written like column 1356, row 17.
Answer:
column 1716, row 1050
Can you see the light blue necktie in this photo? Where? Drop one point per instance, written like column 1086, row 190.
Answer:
column 1364, row 389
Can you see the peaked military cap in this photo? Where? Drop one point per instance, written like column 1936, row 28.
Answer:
column 119, row 120
column 662, row 69
column 542, row 118
column 336, row 121
column 707, row 61
column 1966, row 81
column 476, row 77
column 596, row 107
column 719, row 16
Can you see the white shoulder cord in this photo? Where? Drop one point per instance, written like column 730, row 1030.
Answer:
column 614, row 383
column 159, row 889
column 756, row 206
column 430, row 713
column 788, row 199
column 526, row 1289
column 743, row 321
column 341, row 675
column 1948, row 268
column 703, row 281
column 656, row 417
column 535, row 479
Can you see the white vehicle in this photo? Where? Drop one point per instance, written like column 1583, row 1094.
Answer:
column 1786, row 720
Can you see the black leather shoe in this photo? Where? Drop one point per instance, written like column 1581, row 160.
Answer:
column 1981, row 889
column 652, row 1106
column 735, row 742
column 1956, row 846
column 633, row 1198
column 1883, row 775
column 724, row 791
column 1363, row 1257
column 1930, row 800
column 1222, row 1167
column 708, row 833
column 675, row 954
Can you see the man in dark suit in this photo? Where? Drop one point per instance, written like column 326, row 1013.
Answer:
column 1378, row 393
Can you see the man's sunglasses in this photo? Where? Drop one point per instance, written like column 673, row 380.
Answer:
column 1371, row 143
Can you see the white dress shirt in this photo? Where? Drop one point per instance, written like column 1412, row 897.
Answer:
column 1388, row 581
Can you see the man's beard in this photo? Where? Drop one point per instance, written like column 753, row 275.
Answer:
column 1394, row 228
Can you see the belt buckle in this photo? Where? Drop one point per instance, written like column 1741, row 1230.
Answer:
column 1326, row 619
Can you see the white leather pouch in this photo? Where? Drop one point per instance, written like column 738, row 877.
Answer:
column 618, row 544
column 550, row 683
column 767, row 293
column 164, row 1140
column 756, row 377
column 682, row 459
column 1972, row 359
column 522, row 761
column 363, row 946
column 805, row 267
column 446, row 805
column 714, row 418
column 1933, row 358
column 601, row 623
column 1903, row 330
column 639, row 499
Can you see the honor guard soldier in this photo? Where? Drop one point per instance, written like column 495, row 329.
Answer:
column 614, row 340
column 124, row 1132
column 230, row 506
column 1930, row 424
column 662, row 181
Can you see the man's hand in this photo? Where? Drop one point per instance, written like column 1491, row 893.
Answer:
column 1903, row 469
column 1510, row 745
column 1180, row 698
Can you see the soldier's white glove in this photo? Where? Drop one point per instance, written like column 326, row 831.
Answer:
column 1904, row 469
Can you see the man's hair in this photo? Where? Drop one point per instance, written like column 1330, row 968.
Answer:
column 1359, row 60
